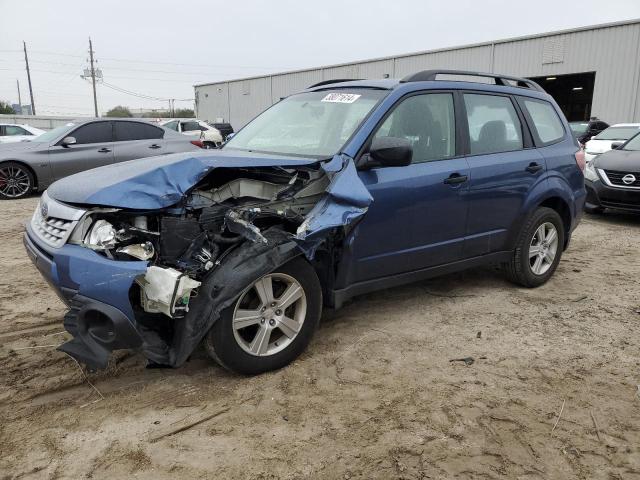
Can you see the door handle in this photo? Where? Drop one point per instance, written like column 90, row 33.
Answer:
column 456, row 178
column 104, row 150
column 154, row 146
column 534, row 167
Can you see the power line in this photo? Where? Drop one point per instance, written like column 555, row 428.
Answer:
column 127, row 60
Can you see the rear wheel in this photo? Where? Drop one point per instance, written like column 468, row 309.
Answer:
column 16, row 181
column 270, row 323
column 538, row 249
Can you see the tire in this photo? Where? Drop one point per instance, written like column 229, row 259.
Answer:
column 209, row 145
column 240, row 350
column 16, row 181
column 523, row 268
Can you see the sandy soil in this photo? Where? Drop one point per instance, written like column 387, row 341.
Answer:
column 375, row 396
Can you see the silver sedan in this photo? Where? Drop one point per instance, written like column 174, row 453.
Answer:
column 31, row 166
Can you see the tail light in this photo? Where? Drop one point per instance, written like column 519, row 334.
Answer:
column 198, row 143
column 579, row 159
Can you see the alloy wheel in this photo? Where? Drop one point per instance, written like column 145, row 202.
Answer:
column 543, row 248
column 14, row 181
column 269, row 315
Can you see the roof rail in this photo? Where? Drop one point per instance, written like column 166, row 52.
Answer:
column 430, row 75
column 335, row 80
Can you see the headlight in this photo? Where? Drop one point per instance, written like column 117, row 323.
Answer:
column 101, row 236
column 590, row 172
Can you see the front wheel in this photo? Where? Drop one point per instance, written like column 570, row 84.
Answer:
column 16, row 181
column 538, row 249
column 270, row 323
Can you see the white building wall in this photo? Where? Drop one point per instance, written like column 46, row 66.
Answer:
column 612, row 51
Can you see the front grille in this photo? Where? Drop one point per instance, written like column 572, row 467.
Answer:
column 615, row 177
column 56, row 226
column 54, row 230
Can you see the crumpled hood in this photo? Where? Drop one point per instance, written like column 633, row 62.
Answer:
column 156, row 182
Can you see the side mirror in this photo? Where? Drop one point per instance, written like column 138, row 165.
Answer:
column 67, row 141
column 391, row 151
column 616, row 145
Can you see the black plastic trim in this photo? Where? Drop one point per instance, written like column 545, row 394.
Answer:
column 430, row 75
column 338, row 297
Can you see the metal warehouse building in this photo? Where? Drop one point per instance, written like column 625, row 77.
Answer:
column 590, row 71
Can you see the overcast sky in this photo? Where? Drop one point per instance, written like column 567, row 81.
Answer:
column 161, row 48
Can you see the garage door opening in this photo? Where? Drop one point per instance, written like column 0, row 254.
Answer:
column 573, row 93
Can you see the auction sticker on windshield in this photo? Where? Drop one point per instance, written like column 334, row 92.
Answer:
column 341, row 97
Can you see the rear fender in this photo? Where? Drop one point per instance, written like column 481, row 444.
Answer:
column 554, row 188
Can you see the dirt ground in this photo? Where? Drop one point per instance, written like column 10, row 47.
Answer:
column 375, row 395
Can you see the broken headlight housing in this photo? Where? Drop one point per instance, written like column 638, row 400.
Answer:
column 101, row 236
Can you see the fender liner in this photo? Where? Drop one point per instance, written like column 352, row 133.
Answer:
column 243, row 265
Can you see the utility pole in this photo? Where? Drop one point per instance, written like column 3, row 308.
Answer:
column 19, row 96
column 26, row 61
column 93, row 78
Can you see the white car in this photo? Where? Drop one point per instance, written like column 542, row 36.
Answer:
column 620, row 132
column 14, row 132
column 209, row 136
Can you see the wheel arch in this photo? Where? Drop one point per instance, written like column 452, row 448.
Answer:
column 562, row 208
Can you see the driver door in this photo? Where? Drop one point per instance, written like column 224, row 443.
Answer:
column 418, row 216
column 93, row 148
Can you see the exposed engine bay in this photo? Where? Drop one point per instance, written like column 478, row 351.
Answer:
column 150, row 258
column 186, row 243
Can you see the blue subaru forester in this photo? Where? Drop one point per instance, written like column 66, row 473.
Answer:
column 342, row 189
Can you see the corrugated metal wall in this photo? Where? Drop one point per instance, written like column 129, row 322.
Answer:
column 613, row 52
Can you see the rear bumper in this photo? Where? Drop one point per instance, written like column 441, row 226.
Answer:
column 604, row 196
column 96, row 290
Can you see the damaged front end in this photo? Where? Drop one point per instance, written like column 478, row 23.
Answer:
column 158, row 278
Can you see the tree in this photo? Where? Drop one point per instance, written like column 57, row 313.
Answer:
column 119, row 111
column 184, row 113
column 6, row 109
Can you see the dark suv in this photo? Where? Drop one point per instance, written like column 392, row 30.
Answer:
column 342, row 189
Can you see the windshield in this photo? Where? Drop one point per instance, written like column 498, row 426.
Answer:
column 578, row 128
column 54, row 134
column 617, row 133
column 313, row 124
column 633, row 144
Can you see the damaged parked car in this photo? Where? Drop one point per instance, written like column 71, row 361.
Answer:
column 342, row 189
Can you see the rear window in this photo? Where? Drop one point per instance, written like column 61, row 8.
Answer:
column 546, row 122
column 136, row 131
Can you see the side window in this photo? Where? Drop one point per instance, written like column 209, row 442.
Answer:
column 546, row 123
column 11, row 130
column 428, row 122
column 172, row 125
column 96, row 132
column 191, row 127
column 494, row 125
column 136, row 131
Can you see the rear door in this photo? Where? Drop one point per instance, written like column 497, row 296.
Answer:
column 137, row 140
column 93, row 148
column 417, row 218
column 504, row 168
